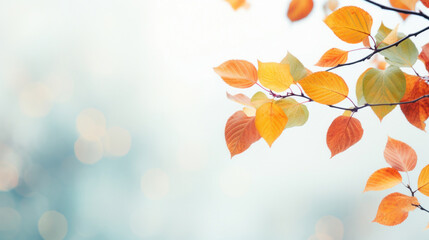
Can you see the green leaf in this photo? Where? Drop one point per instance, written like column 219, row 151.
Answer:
column 297, row 113
column 403, row 55
column 359, row 90
column 386, row 86
column 258, row 99
column 297, row 69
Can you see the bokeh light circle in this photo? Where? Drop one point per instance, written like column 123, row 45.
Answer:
column 88, row 152
column 53, row 226
column 155, row 184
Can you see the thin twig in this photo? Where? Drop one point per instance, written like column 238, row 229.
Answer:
column 420, row 13
column 377, row 50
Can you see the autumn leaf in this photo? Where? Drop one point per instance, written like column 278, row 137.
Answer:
column 343, row 133
column 297, row 113
column 426, row 3
column 275, row 76
column 400, row 155
column 366, row 43
column 394, row 209
column 392, row 37
column 297, row 69
column 351, row 24
column 325, row 87
column 236, row 4
column 404, row 4
column 382, row 179
column 403, row 55
column 258, row 99
column 424, row 55
column 383, row 87
column 416, row 113
column 332, row 4
column 299, row 9
column 239, row 98
column 270, row 121
column 240, row 133
column 423, row 182
column 359, row 88
column 333, row 57
column 238, row 73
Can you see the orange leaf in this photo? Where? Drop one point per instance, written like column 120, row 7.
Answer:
column 333, row 57
column 399, row 155
column 366, row 42
column 299, row 9
column 240, row 132
column 236, row 4
column 270, row 121
column 325, row 87
column 424, row 55
column 423, row 182
column 343, row 133
column 426, row 3
column 404, row 4
column 351, row 24
column 394, row 209
column 238, row 73
column 332, row 4
column 382, row 179
column 416, row 113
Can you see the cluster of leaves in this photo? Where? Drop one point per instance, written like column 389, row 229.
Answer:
column 270, row 111
column 394, row 207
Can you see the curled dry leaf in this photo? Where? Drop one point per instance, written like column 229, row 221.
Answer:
column 394, row 209
column 275, row 76
column 270, row 121
column 333, row 57
column 423, row 182
column 240, row 132
column 382, row 179
column 238, row 73
column 424, row 55
column 343, row 133
column 416, row 113
column 299, row 9
column 325, row 87
column 351, row 24
column 399, row 155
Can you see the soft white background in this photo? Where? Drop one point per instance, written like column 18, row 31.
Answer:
column 148, row 66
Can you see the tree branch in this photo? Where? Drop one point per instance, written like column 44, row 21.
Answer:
column 353, row 109
column 377, row 50
column 420, row 13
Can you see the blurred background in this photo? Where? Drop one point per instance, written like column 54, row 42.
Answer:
column 112, row 126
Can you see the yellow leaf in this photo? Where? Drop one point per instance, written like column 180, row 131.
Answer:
column 333, row 57
column 325, row 87
column 351, row 24
column 270, row 121
column 383, row 87
column 299, row 9
column 392, row 37
column 258, row 99
column 382, row 179
column 275, row 76
column 423, row 182
column 297, row 113
column 297, row 69
column 359, row 88
column 238, row 73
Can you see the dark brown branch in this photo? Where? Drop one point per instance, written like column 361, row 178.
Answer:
column 420, row 207
column 377, row 50
column 420, row 13
column 353, row 109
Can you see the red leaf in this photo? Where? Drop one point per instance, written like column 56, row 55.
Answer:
column 424, row 55
column 416, row 113
column 240, row 132
column 343, row 133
